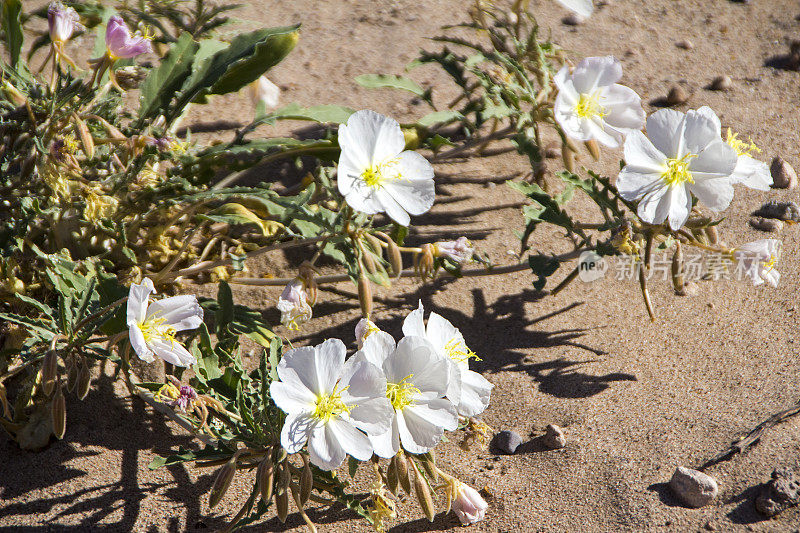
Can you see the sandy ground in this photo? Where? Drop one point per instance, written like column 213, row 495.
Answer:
column 636, row 398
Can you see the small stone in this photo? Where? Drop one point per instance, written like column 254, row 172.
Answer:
column 783, row 175
column 780, row 210
column 507, row 442
column 573, row 19
column 677, row 96
column 490, row 185
column 554, row 437
column 690, row 288
column 721, row 83
column 710, row 526
column 771, row 225
column 685, row 44
column 693, row 487
column 782, row 492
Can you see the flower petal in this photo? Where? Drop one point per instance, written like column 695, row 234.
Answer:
column 476, row 391
column 349, row 438
column 415, row 197
column 328, row 364
column 752, row 173
column 386, row 444
column 413, row 166
column 291, row 396
column 324, row 449
column 583, row 8
column 295, row 432
column 139, row 345
column 172, row 352
column 414, row 323
column 138, row 297
column 665, row 131
column 180, row 312
column 371, row 138
column 623, row 108
column 641, row 156
column 391, row 207
column 594, row 72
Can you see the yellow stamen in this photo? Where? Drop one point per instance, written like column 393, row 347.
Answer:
column 741, row 147
column 330, row 405
column 168, row 391
column 677, row 171
column 769, row 265
column 152, row 328
column 374, row 175
column 458, row 351
column 588, row 106
column 401, row 394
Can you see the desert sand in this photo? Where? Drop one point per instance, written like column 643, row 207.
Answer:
column 635, row 398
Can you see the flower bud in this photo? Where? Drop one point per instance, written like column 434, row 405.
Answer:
column 266, row 477
column 264, row 91
column 423, row 261
column 468, row 505
column 593, row 149
column 423, row 492
column 392, row 479
column 58, row 414
column 364, row 295
column 222, row 481
column 49, row 369
column 306, row 481
column 428, row 460
column 678, row 283
column 87, row 143
column 293, row 304
column 402, row 473
column 364, row 329
column 84, row 381
column 282, row 492
column 568, row 156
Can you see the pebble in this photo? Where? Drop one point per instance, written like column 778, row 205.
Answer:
column 780, row 210
column 554, row 437
column 552, row 151
column 782, row 492
column 490, row 185
column 693, row 487
column 573, row 19
column 677, row 96
column 685, row 44
column 771, row 225
column 507, row 442
column 710, row 526
column 721, row 83
column 783, row 175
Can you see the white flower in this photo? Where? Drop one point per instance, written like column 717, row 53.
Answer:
column 592, row 105
column 152, row 326
column 681, row 154
column 294, row 305
column 264, row 91
column 583, row 8
column 364, row 329
column 469, row 391
column 757, row 260
column 468, row 505
column 375, row 175
column 327, row 402
column 460, row 250
column 416, row 382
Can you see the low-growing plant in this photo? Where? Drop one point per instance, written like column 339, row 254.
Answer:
column 105, row 204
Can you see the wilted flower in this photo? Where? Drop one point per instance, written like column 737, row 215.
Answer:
column 592, row 105
column 62, row 22
column 382, row 507
column 583, row 8
column 327, row 401
column 757, row 260
column 264, row 91
column 416, row 382
column 121, row 44
column 469, row 391
column 375, row 175
column 364, row 329
column 460, row 250
column 294, row 305
column 468, row 505
column 152, row 326
column 683, row 155
column 183, row 398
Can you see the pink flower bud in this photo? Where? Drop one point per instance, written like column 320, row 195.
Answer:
column 460, row 250
column 293, row 304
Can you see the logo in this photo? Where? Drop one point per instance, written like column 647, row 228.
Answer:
column 591, row 267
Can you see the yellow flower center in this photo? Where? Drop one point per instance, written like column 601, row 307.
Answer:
column 770, row 264
column 677, row 171
column 588, row 106
column 401, row 394
column 168, row 391
column 741, row 147
column 330, row 405
column 374, row 175
column 152, row 329
column 458, row 351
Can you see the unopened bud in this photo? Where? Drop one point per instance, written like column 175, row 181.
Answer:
column 364, row 295
column 49, row 368
column 392, row 481
column 568, row 156
column 423, row 494
column 58, row 414
column 678, row 282
column 84, row 381
column 266, row 477
column 428, row 460
column 712, row 234
column 282, row 493
column 87, row 143
column 222, row 481
column 402, row 473
column 306, row 481
column 593, row 149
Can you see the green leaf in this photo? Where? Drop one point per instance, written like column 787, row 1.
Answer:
column 12, row 29
column 246, row 58
column 163, row 82
column 379, row 81
column 225, row 313
column 334, row 114
column 352, row 466
column 439, row 117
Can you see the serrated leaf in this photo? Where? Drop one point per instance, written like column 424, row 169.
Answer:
column 163, row 82
column 379, row 81
column 246, row 58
